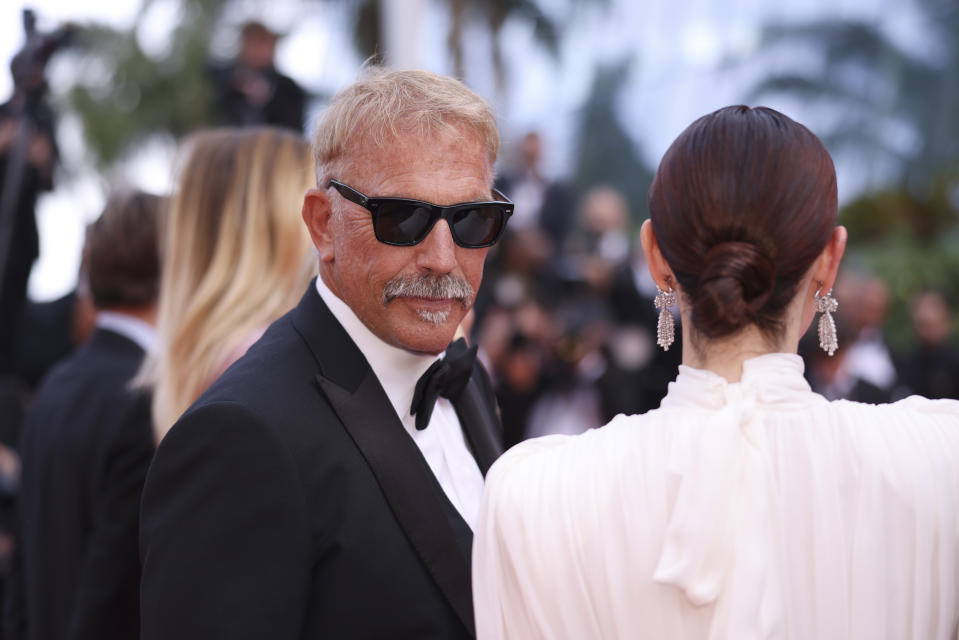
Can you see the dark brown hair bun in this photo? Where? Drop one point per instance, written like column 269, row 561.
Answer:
column 742, row 204
column 735, row 283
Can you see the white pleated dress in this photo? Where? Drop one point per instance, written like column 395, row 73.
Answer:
column 755, row 509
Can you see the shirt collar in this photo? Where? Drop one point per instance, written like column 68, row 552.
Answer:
column 395, row 368
column 137, row 330
column 774, row 378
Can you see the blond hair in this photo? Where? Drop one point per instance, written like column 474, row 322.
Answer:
column 236, row 256
column 385, row 104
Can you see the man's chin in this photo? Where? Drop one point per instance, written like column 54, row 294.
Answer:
column 423, row 330
column 429, row 336
column 435, row 318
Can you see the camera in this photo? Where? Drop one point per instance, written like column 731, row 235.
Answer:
column 30, row 62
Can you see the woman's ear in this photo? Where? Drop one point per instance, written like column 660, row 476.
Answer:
column 658, row 267
column 828, row 261
column 317, row 214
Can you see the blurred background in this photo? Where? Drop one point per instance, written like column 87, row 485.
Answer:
column 589, row 94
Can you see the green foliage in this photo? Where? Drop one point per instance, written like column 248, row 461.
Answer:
column 124, row 95
column 911, row 242
column 873, row 85
column 901, row 212
column 908, row 231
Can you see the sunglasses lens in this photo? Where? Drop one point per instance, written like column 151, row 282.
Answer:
column 401, row 223
column 478, row 226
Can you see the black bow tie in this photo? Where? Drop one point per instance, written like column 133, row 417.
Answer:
column 446, row 377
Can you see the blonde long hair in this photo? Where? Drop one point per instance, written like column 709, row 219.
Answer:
column 236, row 256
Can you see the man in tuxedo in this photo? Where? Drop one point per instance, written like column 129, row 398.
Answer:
column 86, row 445
column 316, row 489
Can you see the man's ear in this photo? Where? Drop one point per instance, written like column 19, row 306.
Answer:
column 827, row 265
column 658, row 267
column 318, row 216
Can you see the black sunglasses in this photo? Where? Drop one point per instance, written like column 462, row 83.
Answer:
column 403, row 222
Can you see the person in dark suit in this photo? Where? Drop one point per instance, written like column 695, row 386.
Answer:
column 86, row 445
column 543, row 204
column 315, row 489
column 28, row 154
column 250, row 91
column 932, row 368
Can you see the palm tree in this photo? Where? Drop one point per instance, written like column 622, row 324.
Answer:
column 896, row 111
column 493, row 13
column 605, row 152
column 123, row 95
column 894, row 108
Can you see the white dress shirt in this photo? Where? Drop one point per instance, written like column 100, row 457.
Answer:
column 869, row 359
column 137, row 330
column 442, row 442
column 527, row 195
column 754, row 509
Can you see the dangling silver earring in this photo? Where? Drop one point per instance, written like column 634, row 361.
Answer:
column 666, row 327
column 827, row 305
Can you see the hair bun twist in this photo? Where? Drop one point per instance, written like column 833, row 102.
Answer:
column 736, row 281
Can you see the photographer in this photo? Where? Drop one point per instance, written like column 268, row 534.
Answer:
column 26, row 138
column 27, row 157
column 250, row 91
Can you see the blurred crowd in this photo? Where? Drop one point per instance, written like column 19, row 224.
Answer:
column 565, row 318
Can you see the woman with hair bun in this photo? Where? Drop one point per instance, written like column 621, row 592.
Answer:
column 746, row 506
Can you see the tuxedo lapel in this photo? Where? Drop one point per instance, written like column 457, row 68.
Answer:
column 407, row 483
column 476, row 409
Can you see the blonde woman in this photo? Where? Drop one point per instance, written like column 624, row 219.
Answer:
column 236, row 257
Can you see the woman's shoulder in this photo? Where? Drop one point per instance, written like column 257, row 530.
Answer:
column 520, row 457
column 915, row 438
column 537, row 459
column 931, row 406
column 915, row 411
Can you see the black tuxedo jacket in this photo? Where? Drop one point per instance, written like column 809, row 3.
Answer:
column 290, row 502
column 86, row 446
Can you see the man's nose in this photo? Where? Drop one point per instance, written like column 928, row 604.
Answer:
column 437, row 251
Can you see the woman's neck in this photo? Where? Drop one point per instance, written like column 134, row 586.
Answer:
column 725, row 357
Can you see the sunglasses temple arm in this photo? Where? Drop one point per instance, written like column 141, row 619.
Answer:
column 351, row 194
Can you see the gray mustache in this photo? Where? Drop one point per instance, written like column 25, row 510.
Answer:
column 445, row 286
